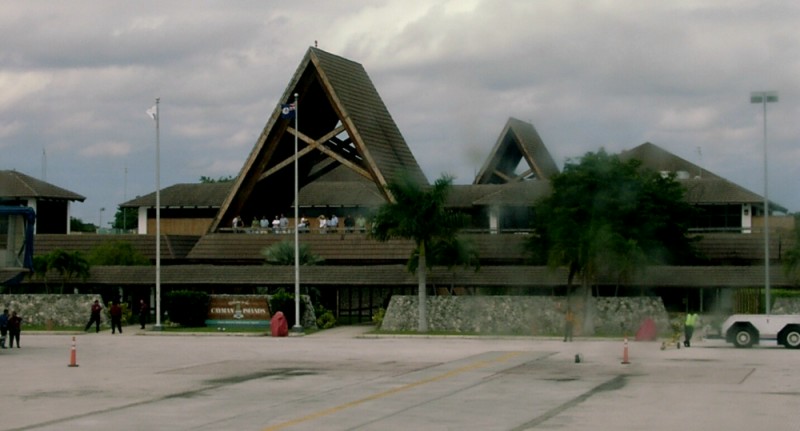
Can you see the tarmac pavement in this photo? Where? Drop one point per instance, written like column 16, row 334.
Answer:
column 347, row 379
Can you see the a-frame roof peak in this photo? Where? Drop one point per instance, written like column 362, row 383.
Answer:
column 519, row 141
column 341, row 121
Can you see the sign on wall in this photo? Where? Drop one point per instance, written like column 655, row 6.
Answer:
column 238, row 310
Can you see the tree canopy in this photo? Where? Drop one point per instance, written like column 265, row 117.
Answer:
column 117, row 253
column 126, row 219
column 606, row 216
column 67, row 264
column 206, row 180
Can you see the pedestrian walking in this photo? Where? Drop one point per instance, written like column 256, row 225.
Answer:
column 116, row 317
column 14, row 329
column 94, row 317
column 142, row 313
column 688, row 328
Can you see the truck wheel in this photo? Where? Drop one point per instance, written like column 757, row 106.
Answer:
column 744, row 338
column 793, row 339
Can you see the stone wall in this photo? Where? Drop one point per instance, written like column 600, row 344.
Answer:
column 73, row 310
column 526, row 315
column 786, row 306
column 55, row 310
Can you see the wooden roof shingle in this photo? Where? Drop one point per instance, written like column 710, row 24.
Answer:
column 194, row 195
column 398, row 275
column 17, row 185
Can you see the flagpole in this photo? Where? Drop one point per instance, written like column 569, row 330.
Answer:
column 297, row 327
column 158, row 218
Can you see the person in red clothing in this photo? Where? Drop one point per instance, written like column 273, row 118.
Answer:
column 95, row 317
column 14, row 329
column 142, row 313
column 116, row 317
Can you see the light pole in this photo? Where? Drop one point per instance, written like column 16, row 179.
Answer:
column 764, row 97
column 298, row 328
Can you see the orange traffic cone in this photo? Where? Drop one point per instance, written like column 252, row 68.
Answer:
column 73, row 355
column 625, row 352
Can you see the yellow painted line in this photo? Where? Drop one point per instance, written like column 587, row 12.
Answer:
column 379, row 395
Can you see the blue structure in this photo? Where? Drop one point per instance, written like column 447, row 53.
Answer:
column 28, row 218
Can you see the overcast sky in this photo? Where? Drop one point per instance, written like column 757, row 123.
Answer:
column 77, row 77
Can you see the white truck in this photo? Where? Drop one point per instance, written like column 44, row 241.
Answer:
column 744, row 330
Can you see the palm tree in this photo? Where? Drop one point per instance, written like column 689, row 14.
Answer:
column 67, row 264
column 282, row 253
column 418, row 213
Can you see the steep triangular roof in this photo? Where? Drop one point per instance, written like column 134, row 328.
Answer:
column 342, row 122
column 518, row 141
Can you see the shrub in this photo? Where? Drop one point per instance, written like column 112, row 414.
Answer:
column 326, row 319
column 377, row 318
column 187, row 308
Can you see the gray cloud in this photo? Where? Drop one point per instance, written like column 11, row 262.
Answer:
column 78, row 76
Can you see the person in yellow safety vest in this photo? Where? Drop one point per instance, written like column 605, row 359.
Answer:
column 688, row 328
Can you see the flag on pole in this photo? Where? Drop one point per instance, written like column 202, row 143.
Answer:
column 287, row 111
column 153, row 112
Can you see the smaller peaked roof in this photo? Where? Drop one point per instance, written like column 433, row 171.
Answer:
column 518, row 141
column 17, row 185
column 658, row 159
column 702, row 186
column 193, row 195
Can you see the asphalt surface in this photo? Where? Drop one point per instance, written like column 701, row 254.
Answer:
column 346, row 379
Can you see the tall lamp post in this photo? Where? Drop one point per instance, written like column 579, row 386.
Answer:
column 764, row 97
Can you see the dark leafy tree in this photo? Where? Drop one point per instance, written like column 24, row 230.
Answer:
column 204, row 179
column 612, row 218
column 126, row 219
column 78, row 225
column 119, row 253
column 68, row 264
column 418, row 213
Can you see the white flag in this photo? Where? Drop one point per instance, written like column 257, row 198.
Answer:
column 153, row 112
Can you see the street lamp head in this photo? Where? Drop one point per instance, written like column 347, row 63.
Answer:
column 763, row 96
